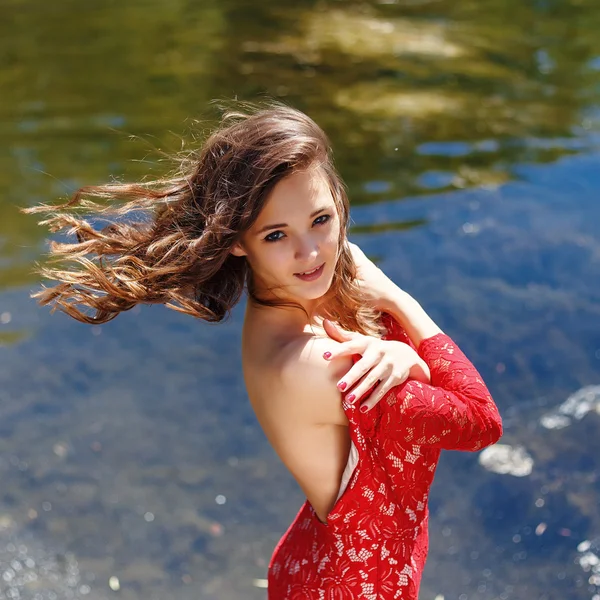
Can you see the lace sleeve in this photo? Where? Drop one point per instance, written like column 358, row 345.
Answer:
column 454, row 412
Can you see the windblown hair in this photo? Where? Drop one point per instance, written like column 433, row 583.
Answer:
column 174, row 245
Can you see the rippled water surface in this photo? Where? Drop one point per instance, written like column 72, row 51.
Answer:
column 469, row 135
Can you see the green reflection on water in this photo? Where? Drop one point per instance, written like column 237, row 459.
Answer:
column 388, row 226
column 10, row 337
column 382, row 79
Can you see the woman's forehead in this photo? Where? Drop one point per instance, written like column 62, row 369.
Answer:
column 300, row 189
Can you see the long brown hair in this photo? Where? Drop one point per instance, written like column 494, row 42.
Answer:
column 174, row 247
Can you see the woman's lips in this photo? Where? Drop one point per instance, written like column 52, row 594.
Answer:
column 312, row 276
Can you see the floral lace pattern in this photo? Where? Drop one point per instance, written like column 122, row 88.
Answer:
column 374, row 544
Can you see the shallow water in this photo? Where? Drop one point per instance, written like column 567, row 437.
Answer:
column 469, row 135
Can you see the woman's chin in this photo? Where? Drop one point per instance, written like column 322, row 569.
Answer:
column 316, row 292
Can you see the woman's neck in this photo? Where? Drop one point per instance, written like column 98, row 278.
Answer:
column 288, row 317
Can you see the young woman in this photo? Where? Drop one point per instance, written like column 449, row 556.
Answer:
column 356, row 388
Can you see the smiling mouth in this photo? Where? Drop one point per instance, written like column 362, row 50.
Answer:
column 312, row 272
column 312, row 275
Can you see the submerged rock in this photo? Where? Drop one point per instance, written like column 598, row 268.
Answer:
column 576, row 406
column 507, row 460
column 589, row 560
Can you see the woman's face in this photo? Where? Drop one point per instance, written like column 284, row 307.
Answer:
column 297, row 231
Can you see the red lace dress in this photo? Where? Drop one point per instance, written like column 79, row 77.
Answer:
column 375, row 542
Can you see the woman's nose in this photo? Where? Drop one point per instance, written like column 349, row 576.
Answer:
column 307, row 250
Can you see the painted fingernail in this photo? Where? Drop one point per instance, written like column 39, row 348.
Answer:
column 350, row 397
column 326, row 355
column 364, row 408
column 342, row 385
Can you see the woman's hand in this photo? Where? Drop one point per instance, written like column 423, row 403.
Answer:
column 376, row 285
column 383, row 294
column 386, row 362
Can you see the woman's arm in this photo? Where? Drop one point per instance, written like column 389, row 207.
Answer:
column 408, row 313
column 455, row 412
column 386, row 296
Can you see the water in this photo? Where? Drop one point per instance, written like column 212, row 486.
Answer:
column 468, row 133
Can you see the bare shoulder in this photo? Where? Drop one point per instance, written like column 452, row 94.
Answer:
column 309, row 382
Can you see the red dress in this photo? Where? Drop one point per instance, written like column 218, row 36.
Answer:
column 375, row 542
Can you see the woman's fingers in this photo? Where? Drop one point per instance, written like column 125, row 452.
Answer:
column 359, row 369
column 376, row 395
column 334, row 331
column 381, row 390
column 354, row 346
column 370, row 376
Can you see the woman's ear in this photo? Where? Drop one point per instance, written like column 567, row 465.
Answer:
column 238, row 250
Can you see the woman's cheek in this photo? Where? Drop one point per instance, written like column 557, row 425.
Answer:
column 333, row 237
column 280, row 260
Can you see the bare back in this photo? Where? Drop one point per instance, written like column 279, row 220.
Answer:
column 292, row 391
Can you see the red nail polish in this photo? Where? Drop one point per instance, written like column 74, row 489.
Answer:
column 350, row 397
column 364, row 408
column 326, row 355
column 342, row 385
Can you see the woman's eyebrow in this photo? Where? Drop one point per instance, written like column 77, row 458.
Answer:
column 281, row 225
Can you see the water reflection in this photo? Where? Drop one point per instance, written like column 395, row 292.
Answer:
column 387, row 226
column 428, row 96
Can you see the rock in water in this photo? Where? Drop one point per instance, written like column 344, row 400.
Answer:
column 506, row 460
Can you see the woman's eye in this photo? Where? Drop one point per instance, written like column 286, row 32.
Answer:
column 274, row 237
column 326, row 217
column 270, row 237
